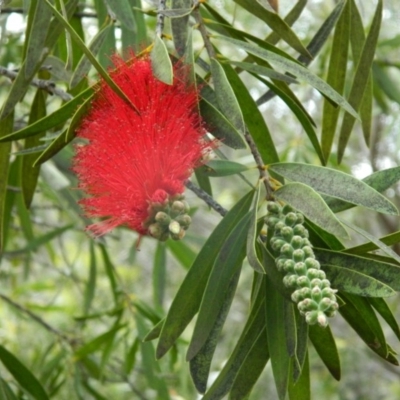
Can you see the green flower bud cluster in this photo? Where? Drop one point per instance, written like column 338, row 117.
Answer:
column 311, row 290
column 169, row 220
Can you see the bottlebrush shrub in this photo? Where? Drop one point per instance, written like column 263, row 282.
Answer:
column 134, row 164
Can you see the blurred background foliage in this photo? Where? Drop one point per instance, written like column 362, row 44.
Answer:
column 73, row 310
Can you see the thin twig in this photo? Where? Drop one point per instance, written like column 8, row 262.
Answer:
column 36, row 318
column 249, row 139
column 206, row 197
column 160, row 17
column 48, row 86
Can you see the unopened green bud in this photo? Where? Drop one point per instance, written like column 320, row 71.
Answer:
column 313, row 273
column 163, row 218
column 316, row 294
column 312, row 317
column 314, row 282
column 325, row 283
column 300, row 218
column 287, row 233
column 308, row 251
column 289, row 266
column 271, row 221
column 184, row 220
column 300, row 268
column 311, row 262
column 273, row 208
column 287, row 209
column 155, row 230
column 298, row 255
column 287, row 250
column 290, row 219
column 303, row 281
column 307, row 305
column 177, row 207
column 296, row 296
column 297, row 242
column 300, row 230
column 277, row 243
column 179, row 235
column 305, row 292
column 290, row 281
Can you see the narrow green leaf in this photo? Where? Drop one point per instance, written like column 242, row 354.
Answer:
column 336, row 78
column 386, row 249
column 130, row 358
column 301, row 390
column 50, row 121
column 90, row 56
column 324, row 343
column 200, row 364
column 123, row 11
column 336, row 184
column 5, row 391
column 84, row 64
column 226, row 99
column 274, row 21
column 182, row 252
column 252, row 332
column 354, row 282
column 380, row 181
column 361, row 317
column 275, row 306
column 227, row 262
column 386, row 273
column 388, row 240
column 96, row 343
column 35, row 50
column 22, row 375
column 382, row 308
column 264, row 71
column 159, row 274
column 251, row 369
column 155, row 331
column 299, row 361
column 90, row 288
column 295, row 69
column 386, row 83
column 252, row 234
column 161, row 62
column 180, row 25
column 310, row 203
column 254, row 120
column 6, row 126
column 223, row 168
column 110, row 271
column 203, row 179
column 360, row 79
column 29, row 173
column 221, row 128
column 187, row 301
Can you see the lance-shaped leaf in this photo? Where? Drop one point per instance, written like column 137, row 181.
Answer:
column 179, row 25
column 201, row 363
column 227, row 262
column 84, row 64
column 387, row 240
column 187, row 301
column 383, row 309
column 296, row 69
column 161, row 62
column 275, row 311
column 22, row 375
column 223, row 168
column 300, row 389
column 306, row 200
column 386, row 273
column 325, row 345
column 336, row 78
column 360, row 79
column 50, row 121
column 337, row 184
column 252, row 234
column 226, row 99
column 355, row 282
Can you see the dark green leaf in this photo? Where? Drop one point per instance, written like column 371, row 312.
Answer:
column 388, row 240
column 219, row 125
column 336, row 78
column 161, row 62
column 227, row 262
column 5, row 391
column 300, row 358
column 187, row 301
column 90, row 288
column 52, row 120
column 110, row 271
column 300, row 389
column 389, row 274
column 200, row 364
column 22, row 375
column 203, row 179
column 275, row 306
column 310, row 203
column 360, row 79
column 226, row 99
column 252, row 234
column 382, row 308
column 159, row 274
column 324, row 343
column 179, row 25
column 336, row 184
column 182, row 252
column 354, row 282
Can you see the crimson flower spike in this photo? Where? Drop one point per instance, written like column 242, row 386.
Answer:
column 133, row 166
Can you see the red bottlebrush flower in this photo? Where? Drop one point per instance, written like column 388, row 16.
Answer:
column 134, row 165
